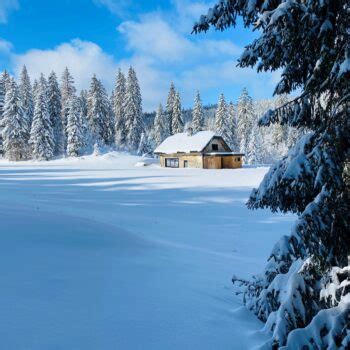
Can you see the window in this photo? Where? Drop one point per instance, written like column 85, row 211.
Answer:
column 185, row 163
column 172, row 162
column 215, row 147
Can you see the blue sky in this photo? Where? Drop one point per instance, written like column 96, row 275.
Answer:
column 98, row 36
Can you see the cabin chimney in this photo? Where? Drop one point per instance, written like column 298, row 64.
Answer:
column 189, row 131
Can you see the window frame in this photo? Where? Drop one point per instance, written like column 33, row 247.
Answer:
column 171, row 162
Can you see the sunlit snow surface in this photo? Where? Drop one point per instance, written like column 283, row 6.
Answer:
column 96, row 253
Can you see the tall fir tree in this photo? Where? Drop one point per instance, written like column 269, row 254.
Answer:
column 197, row 115
column 255, row 146
column 170, row 108
column 2, row 93
column 55, row 113
column 16, row 129
column 67, row 92
column 41, row 133
column 83, row 116
column 145, row 145
column 99, row 113
column 119, row 110
column 177, row 124
column 233, row 128
column 303, row 294
column 75, row 141
column 245, row 115
column 221, row 119
column 160, row 129
column 133, row 111
column 26, row 96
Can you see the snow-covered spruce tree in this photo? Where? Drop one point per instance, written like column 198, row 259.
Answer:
column 197, row 114
column 255, row 151
column 99, row 113
column 245, row 116
column 145, row 146
column 221, row 119
column 169, row 108
column 26, row 95
column 55, row 113
column 41, row 134
column 160, row 126
column 67, row 92
column 16, row 129
column 74, row 129
column 232, row 126
column 177, row 124
column 2, row 94
column 306, row 282
column 133, row 111
column 83, row 116
column 118, row 104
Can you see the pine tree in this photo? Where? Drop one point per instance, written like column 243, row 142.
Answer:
column 55, row 113
column 245, row 114
column 232, row 128
column 35, row 89
column 221, row 119
column 177, row 124
column 170, row 108
column 41, row 133
column 119, row 110
column 133, row 111
column 160, row 126
column 99, row 113
column 15, row 133
column 2, row 94
column 303, row 294
column 67, row 92
column 83, row 116
column 255, row 147
column 197, row 115
column 145, row 146
column 26, row 96
column 74, row 129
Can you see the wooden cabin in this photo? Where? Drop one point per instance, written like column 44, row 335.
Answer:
column 201, row 150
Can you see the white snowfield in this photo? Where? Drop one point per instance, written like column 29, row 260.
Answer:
column 96, row 253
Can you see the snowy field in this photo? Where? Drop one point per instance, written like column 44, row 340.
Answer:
column 96, row 253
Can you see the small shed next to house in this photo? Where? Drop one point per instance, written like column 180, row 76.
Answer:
column 201, row 150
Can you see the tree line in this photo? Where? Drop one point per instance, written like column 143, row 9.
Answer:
column 50, row 119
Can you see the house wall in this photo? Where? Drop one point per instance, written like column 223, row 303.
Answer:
column 212, row 162
column 222, row 162
column 222, row 146
column 194, row 160
column 232, row 162
column 207, row 162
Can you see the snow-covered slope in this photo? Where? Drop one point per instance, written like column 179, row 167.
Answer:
column 96, row 253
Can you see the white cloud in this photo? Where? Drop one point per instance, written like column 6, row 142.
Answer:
column 83, row 58
column 118, row 7
column 5, row 47
column 7, row 6
column 153, row 37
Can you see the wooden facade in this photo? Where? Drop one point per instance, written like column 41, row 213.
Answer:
column 215, row 155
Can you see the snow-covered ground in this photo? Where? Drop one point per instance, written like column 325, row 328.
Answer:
column 96, row 253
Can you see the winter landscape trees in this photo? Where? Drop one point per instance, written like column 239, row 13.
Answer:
column 303, row 294
column 118, row 121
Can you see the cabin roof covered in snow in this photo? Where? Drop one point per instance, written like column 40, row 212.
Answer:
column 185, row 143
